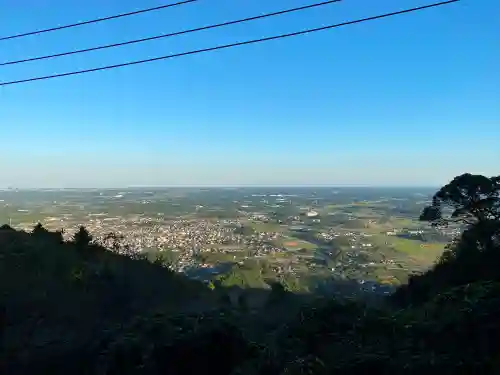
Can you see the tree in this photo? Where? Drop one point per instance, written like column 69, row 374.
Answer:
column 278, row 292
column 244, row 230
column 164, row 258
column 471, row 198
column 340, row 242
column 39, row 230
column 115, row 240
column 474, row 200
column 211, row 285
column 291, row 283
column 82, row 238
column 43, row 234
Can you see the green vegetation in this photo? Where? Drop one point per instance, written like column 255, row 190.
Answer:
column 355, row 224
column 361, row 205
column 76, row 308
column 295, row 243
column 293, row 284
column 220, row 257
column 417, row 248
column 241, row 276
column 266, row 227
column 424, row 252
column 402, row 223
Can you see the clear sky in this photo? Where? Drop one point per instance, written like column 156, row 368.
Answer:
column 409, row 100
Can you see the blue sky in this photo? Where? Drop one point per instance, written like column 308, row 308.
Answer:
column 409, row 100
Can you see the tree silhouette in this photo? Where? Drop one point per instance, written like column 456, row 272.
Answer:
column 473, row 201
column 278, row 292
column 39, row 230
column 82, row 238
column 472, row 198
column 42, row 234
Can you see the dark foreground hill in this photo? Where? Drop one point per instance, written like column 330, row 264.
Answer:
column 77, row 308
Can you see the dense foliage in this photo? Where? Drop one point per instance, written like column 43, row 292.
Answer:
column 76, row 308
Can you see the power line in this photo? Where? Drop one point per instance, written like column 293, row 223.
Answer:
column 171, row 34
column 36, row 32
column 308, row 31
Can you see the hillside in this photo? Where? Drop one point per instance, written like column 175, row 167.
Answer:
column 77, row 308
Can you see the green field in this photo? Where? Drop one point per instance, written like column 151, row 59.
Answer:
column 266, row 227
column 367, row 224
column 219, row 257
column 425, row 252
column 243, row 278
column 299, row 244
column 367, row 204
column 401, row 222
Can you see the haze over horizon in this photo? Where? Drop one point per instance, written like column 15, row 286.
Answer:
column 401, row 101
column 324, row 186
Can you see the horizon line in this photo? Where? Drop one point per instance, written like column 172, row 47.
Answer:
column 221, row 186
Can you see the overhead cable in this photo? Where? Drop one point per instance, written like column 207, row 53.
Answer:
column 56, row 28
column 225, row 46
column 187, row 31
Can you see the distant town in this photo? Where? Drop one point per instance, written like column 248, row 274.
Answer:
column 316, row 235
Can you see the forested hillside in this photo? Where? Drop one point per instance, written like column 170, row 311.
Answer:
column 77, row 308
